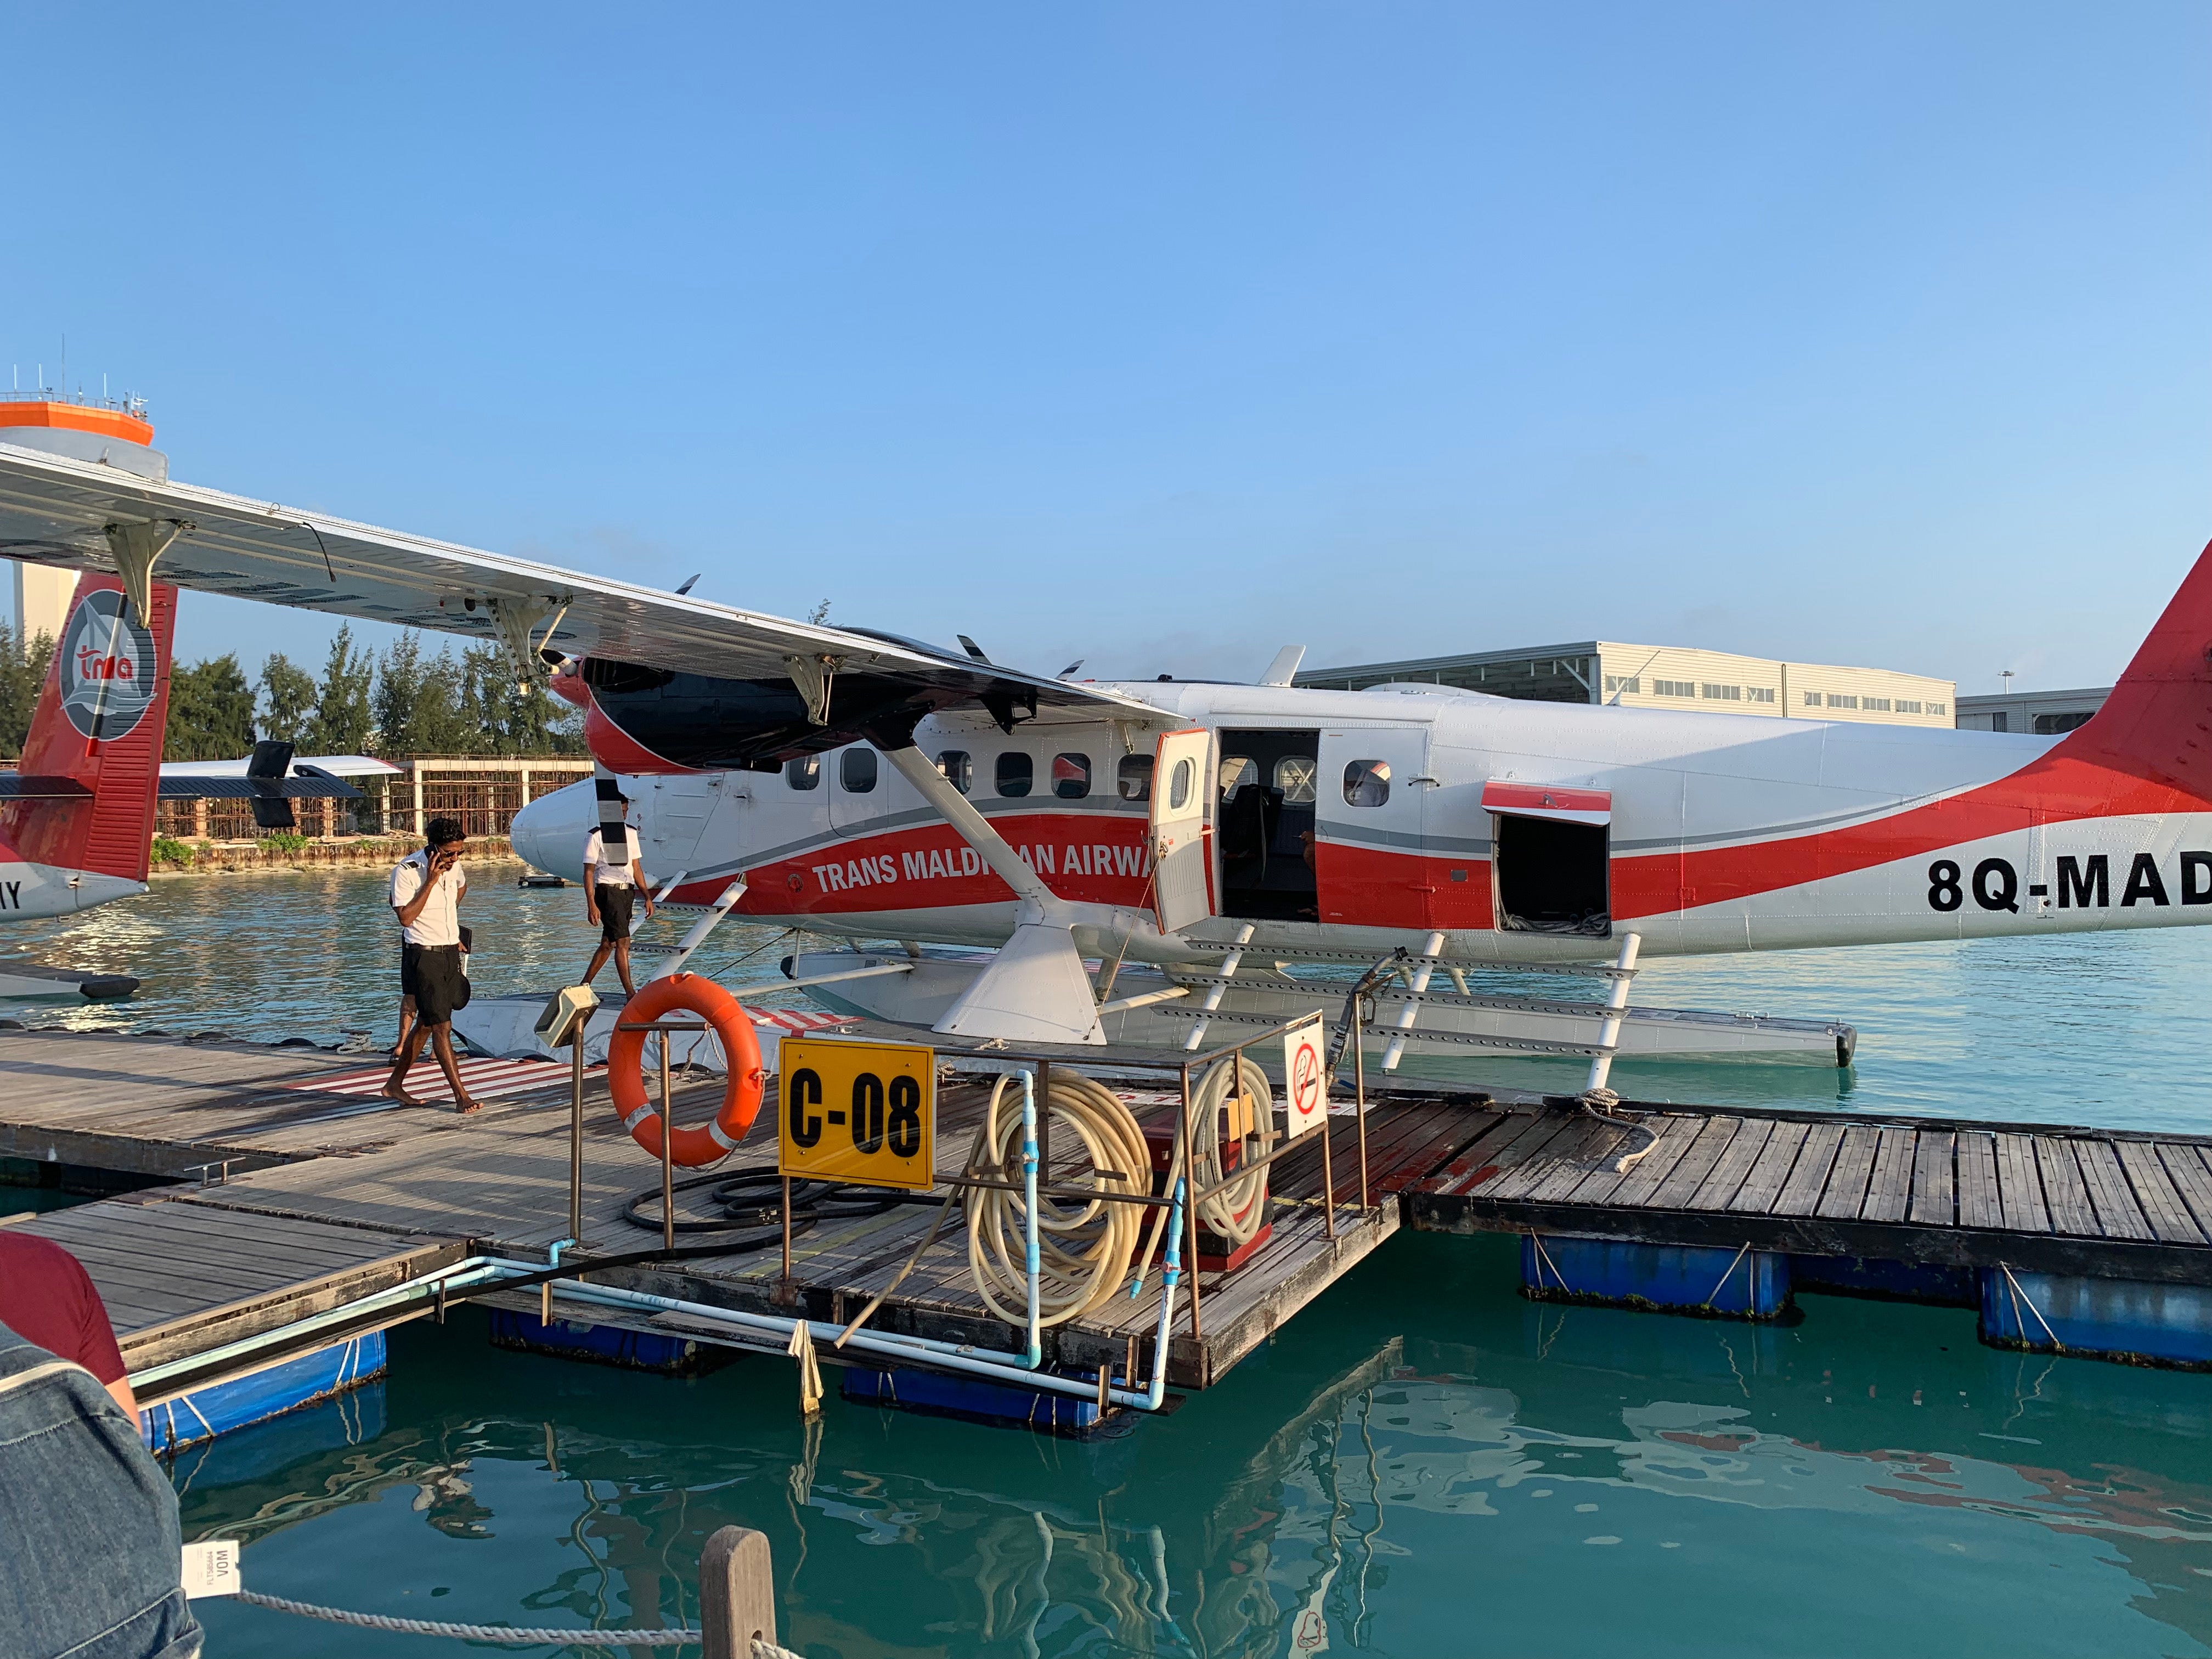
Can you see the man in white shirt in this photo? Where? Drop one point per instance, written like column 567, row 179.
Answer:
column 613, row 879
column 426, row 888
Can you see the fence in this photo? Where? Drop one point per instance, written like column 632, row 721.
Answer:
column 484, row 794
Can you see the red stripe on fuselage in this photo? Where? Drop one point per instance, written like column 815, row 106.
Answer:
column 1086, row 857
column 2057, row 788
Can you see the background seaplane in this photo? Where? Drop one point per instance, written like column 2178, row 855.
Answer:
column 77, row 817
column 1210, row 842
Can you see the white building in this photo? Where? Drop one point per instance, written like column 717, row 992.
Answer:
column 1670, row 676
column 2044, row 713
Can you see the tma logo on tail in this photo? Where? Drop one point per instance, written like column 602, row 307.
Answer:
column 109, row 671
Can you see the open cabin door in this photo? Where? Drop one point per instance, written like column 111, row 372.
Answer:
column 1183, row 873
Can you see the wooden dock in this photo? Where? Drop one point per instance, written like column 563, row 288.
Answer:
column 329, row 1193
column 2104, row 1203
column 301, row 1154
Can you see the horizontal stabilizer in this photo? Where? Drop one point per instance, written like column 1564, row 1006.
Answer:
column 1036, row 990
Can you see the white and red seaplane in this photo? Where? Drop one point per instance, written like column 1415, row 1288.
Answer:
column 1211, row 846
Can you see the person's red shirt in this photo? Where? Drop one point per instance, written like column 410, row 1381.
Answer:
column 47, row 1298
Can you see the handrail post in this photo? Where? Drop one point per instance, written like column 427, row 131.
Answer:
column 667, row 1154
column 1190, row 1213
column 737, row 1594
column 576, row 1136
column 1360, row 1089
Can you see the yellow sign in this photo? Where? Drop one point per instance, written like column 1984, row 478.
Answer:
column 864, row 1112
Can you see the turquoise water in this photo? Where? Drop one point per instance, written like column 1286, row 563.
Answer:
column 2103, row 1029
column 1421, row 1464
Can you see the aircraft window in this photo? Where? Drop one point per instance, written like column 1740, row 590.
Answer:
column 955, row 767
column 1367, row 783
column 856, row 770
column 1294, row 776
column 1179, row 785
column 1015, row 772
column 1135, row 777
column 805, row 773
column 1236, row 771
column 1071, row 776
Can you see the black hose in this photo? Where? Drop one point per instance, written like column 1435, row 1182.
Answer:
column 753, row 1202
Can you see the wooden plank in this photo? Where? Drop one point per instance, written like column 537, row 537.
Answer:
column 2019, row 1187
column 1935, row 1179
column 2163, row 1206
column 1517, row 1150
column 1687, row 1175
column 1594, row 1158
column 1979, row 1205
column 1845, row 1196
column 2071, row 1212
column 2191, row 1168
column 1476, row 1157
column 1677, row 1133
column 1808, row 1177
column 1672, row 1138
column 1764, row 1182
column 1733, row 1164
column 2118, row 1215
column 1563, row 1151
column 1889, row 1188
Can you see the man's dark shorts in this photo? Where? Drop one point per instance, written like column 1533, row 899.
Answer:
column 616, row 905
column 432, row 975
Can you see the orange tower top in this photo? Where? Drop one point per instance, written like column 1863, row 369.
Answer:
column 77, row 418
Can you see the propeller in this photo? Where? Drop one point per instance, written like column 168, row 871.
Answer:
column 972, row 648
column 1069, row 672
column 689, row 580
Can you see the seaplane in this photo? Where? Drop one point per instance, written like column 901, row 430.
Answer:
column 76, row 816
column 1051, row 860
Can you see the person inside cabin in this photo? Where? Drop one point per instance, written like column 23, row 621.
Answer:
column 427, row 889
column 613, row 880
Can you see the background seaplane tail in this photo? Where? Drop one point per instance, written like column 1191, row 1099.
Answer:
column 76, row 819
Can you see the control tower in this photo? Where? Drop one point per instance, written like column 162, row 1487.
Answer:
column 109, row 433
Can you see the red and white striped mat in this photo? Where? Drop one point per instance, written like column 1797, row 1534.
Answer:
column 797, row 1021
column 487, row 1080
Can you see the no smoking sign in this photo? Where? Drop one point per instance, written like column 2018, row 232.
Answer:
column 1305, row 1077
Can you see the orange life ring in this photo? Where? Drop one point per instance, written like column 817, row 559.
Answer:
column 741, row 1096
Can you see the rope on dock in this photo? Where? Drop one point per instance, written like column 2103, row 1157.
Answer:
column 505, row 1634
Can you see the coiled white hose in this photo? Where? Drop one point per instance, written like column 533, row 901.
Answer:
column 1239, row 1210
column 1086, row 1247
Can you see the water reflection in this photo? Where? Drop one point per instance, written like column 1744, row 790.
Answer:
column 1422, row 1463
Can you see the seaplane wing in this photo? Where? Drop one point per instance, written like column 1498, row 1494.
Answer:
column 59, row 511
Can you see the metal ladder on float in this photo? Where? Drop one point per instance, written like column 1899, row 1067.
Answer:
column 1416, row 973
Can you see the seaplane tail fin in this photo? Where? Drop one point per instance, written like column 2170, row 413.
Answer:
column 82, row 798
column 2157, row 724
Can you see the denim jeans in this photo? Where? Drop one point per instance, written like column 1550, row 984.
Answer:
column 86, row 1519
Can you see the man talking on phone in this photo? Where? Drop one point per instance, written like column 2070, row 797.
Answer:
column 427, row 889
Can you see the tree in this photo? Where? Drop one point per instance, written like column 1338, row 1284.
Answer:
column 345, row 718
column 420, row 703
column 22, row 675
column 288, row 700
column 211, row 711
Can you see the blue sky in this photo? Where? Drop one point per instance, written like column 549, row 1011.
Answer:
column 1163, row 336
